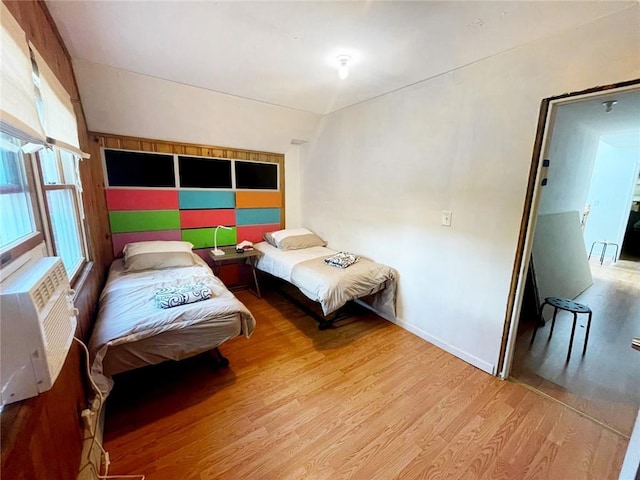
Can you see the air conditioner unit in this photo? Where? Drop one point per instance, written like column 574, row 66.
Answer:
column 37, row 324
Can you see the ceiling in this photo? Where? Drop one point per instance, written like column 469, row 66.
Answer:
column 620, row 127
column 284, row 53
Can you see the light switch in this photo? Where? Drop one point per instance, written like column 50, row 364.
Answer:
column 446, row 218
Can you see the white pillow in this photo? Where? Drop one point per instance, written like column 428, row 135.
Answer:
column 294, row 239
column 157, row 254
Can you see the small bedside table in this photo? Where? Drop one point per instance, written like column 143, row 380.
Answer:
column 230, row 255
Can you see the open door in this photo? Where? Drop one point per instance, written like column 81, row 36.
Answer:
column 538, row 179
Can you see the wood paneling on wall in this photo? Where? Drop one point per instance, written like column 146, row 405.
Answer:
column 122, row 142
column 42, row 436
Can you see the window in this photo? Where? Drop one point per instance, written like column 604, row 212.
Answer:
column 40, row 193
column 21, row 220
column 61, row 192
column 16, row 210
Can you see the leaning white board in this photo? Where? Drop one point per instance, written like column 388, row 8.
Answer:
column 559, row 256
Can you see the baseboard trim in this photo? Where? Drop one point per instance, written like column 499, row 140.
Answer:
column 461, row 354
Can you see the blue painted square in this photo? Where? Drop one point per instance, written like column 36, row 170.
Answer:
column 257, row 216
column 190, row 199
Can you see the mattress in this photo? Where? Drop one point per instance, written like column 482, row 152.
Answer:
column 331, row 286
column 131, row 331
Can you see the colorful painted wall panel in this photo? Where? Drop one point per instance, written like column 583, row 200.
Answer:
column 199, row 200
column 257, row 216
column 254, row 233
column 119, row 240
column 203, row 237
column 206, row 218
column 134, row 199
column 153, row 211
column 144, row 221
column 258, row 199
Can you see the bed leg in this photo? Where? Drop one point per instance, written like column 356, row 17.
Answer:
column 325, row 324
column 219, row 359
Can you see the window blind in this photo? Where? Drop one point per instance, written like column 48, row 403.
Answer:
column 18, row 113
column 60, row 123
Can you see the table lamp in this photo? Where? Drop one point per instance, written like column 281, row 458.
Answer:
column 215, row 250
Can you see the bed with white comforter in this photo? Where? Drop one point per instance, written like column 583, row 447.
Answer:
column 330, row 286
column 131, row 331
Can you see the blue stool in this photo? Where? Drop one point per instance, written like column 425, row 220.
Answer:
column 569, row 306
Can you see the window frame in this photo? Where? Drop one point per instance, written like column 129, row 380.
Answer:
column 78, row 209
column 23, row 244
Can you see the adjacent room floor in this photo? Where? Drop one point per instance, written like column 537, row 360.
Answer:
column 362, row 400
column 605, row 383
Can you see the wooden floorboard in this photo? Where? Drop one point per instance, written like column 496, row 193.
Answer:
column 605, row 382
column 362, row 400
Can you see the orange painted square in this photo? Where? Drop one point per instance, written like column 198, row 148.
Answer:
column 258, row 199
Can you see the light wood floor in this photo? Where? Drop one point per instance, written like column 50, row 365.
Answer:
column 365, row 400
column 605, row 383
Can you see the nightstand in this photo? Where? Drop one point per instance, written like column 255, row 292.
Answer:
column 248, row 257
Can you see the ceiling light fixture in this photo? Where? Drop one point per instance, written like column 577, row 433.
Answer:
column 343, row 66
column 608, row 105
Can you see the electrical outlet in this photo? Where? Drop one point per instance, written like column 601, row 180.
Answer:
column 446, row 218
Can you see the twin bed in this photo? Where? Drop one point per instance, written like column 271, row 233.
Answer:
column 331, row 286
column 134, row 329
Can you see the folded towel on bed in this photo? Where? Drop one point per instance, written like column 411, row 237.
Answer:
column 341, row 260
column 175, row 296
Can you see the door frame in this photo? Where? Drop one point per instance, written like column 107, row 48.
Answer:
column 537, row 173
column 629, row 204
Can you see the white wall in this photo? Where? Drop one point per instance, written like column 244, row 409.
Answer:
column 121, row 102
column 378, row 175
column 293, row 215
column 610, row 192
column 572, row 153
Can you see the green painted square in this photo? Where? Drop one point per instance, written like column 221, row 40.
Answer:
column 144, row 221
column 203, row 237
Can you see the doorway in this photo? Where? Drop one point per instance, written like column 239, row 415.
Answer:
column 631, row 242
column 582, row 190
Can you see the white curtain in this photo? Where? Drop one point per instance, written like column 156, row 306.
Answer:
column 18, row 113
